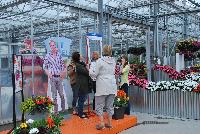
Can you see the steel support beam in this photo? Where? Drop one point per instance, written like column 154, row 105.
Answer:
column 178, row 13
column 100, row 11
column 194, row 2
column 155, row 31
column 28, row 11
column 144, row 4
column 32, row 38
column 12, row 4
column 148, row 54
column 109, row 29
column 80, row 31
column 185, row 25
column 155, row 37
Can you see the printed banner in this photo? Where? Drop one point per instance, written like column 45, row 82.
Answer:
column 62, row 43
column 18, row 73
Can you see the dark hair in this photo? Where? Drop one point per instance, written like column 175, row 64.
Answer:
column 126, row 60
column 76, row 56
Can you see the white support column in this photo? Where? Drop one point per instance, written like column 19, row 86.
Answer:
column 177, row 62
column 182, row 62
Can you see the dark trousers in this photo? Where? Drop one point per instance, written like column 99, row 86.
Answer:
column 75, row 97
column 81, row 99
column 125, row 87
column 94, row 90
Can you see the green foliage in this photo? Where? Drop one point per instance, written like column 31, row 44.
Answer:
column 40, row 123
column 37, row 104
column 134, row 60
column 17, row 131
column 120, row 102
column 27, row 105
column 55, row 130
column 57, row 119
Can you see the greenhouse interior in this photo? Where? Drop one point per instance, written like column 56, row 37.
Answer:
column 155, row 50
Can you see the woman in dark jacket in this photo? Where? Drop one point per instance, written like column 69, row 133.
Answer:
column 80, row 83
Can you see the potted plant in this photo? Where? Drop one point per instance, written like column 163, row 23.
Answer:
column 38, row 107
column 120, row 103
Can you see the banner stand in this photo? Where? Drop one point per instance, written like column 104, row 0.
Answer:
column 96, row 37
column 14, row 91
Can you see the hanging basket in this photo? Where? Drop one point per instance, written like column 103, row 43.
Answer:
column 136, row 50
column 118, row 113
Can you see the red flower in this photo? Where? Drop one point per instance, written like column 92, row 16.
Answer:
column 50, row 122
column 121, row 93
column 39, row 102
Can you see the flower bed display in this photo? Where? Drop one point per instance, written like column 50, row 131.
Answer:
column 43, row 126
column 133, row 80
column 186, row 85
column 191, row 84
column 176, row 75
column 171, row 72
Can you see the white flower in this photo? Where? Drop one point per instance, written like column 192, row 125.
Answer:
column 34, row 131
column 30, row 121
column 118, row 99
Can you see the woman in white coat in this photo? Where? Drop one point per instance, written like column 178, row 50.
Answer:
column 106, row 87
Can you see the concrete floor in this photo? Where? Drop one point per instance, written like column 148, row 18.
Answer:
column 154, row 124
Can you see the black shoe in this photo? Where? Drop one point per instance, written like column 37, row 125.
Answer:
column 127, row 113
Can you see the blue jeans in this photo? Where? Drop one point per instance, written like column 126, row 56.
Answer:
column 81, row 100
column 125, row 87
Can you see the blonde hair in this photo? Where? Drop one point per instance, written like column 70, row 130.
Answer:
column 96, row 53
column 107, row 50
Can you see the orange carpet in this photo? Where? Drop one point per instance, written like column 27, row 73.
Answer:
column 87, row 126
column 75, row 125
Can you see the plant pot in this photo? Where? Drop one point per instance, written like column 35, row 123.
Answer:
column 37, row 116
column 118, row 113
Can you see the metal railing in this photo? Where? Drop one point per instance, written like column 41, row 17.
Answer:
column 168, row 103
